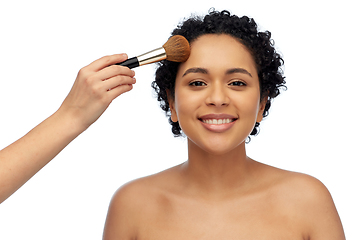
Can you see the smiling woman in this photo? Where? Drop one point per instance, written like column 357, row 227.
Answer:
column 227, row 91
column 243, row 30
column 217, row 98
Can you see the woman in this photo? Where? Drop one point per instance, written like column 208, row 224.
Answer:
column 217, row 98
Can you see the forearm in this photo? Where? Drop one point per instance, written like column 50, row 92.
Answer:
column 25, row 157
column 95, row 87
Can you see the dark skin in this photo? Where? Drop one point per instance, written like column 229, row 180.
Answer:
column 219, row 192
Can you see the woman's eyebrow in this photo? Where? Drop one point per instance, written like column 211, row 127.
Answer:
column 196, row 70
column 205, row 71
column 238, row 70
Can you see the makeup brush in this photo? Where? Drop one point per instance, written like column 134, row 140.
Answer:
column 176, row 49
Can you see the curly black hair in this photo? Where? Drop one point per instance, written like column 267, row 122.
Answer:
column 245, row 30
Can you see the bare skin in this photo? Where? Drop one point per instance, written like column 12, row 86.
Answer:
column 95, row 87
column 219, row 192
column 276, row 204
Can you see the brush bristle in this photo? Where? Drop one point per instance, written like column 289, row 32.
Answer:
column 177, row 49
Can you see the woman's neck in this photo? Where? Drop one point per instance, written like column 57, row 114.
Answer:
column 217, row 174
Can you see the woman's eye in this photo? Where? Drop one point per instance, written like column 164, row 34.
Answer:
column 237, row 83
column 197, row 83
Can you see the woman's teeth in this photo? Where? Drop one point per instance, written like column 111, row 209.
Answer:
column 217, row 121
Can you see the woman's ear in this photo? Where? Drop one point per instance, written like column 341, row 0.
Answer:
column 261, row 109
column 171, row 101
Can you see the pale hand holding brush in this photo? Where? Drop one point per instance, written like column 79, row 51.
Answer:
column 87, row 100
column 176, row 49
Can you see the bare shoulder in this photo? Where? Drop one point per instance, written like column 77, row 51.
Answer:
column 146, row 189
column 315, row 206
column 293, row 184
column 132, row 203
column 307, row 199
column 296, row 184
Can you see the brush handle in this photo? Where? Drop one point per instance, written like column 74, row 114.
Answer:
column 130, row 63
column 155, row 55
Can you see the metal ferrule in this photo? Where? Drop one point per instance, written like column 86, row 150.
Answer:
column 152, row 56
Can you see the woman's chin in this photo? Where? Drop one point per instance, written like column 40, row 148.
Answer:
column 217, row 148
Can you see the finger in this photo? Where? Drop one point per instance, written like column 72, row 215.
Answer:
column 117, row 91
column 106, row 61
column 116, row 81
column 112, row 71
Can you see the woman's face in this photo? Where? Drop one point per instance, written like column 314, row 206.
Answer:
column 217, row 94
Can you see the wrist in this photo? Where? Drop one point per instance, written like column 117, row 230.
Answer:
column 70, row 121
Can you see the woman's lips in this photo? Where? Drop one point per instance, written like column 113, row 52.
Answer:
column 218, row 122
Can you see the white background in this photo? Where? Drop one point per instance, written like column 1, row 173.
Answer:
column 312, row 128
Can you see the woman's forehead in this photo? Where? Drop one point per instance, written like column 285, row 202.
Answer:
column 213, row 51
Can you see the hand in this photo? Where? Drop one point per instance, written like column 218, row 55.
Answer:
column 95, row 87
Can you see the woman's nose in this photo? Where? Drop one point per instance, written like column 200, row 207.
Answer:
column 217, row 96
